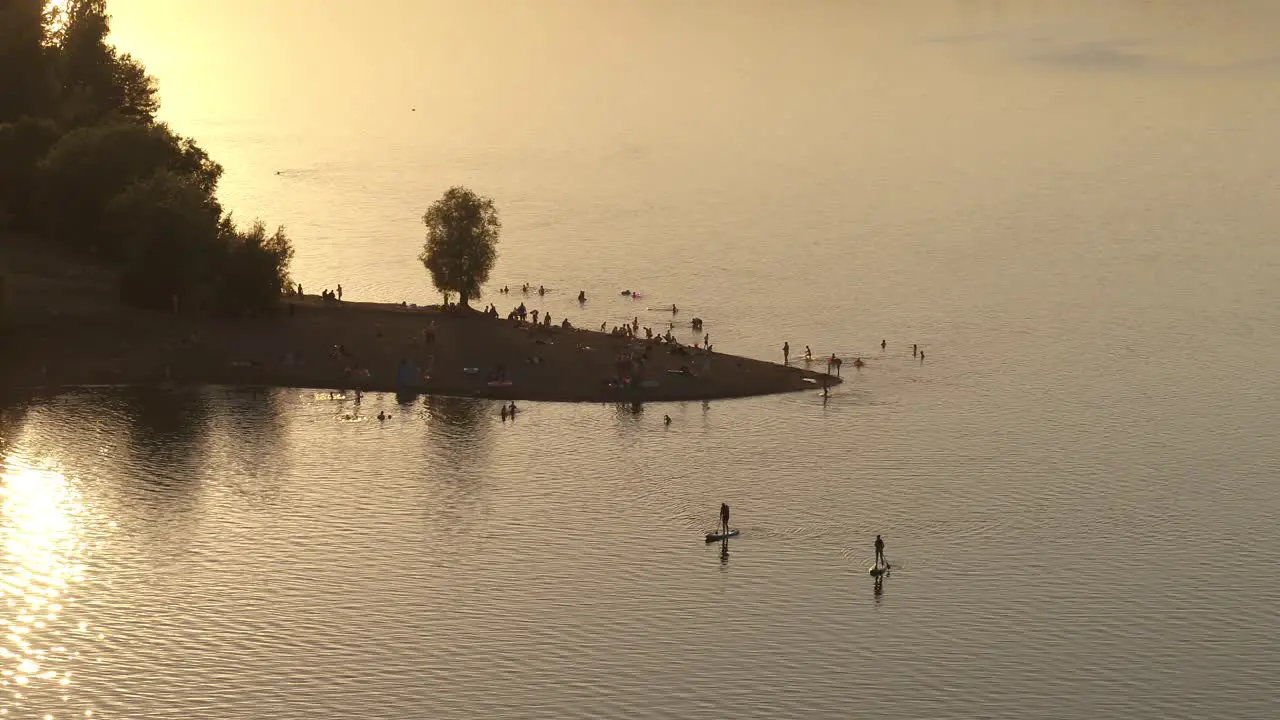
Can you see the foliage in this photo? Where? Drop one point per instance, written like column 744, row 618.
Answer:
column 84, row 163
column 254, row 269
column 27, row 84
column 170, row 231
column 97, row 80
column 461, row 244
column 90, row 166
column 22, row 145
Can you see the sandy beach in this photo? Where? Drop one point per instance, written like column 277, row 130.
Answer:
column 377, row 347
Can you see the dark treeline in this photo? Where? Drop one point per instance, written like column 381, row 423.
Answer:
column 87, row 169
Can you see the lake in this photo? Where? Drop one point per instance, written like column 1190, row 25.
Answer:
column 1068, row 206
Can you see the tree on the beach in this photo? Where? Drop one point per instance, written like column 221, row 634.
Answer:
column 462, row 242
column 85, row 164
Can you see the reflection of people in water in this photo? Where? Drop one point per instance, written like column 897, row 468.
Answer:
column 724, row 517
column 880, row 553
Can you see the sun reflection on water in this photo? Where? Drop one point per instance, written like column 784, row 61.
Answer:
column 40, row 514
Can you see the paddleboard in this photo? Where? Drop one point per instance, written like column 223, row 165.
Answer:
column 712, row 537
column 876, row 571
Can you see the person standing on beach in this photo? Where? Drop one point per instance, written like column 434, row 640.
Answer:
column 339, row 292
column 786, row 354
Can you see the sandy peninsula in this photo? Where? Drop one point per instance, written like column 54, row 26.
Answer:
column 347, row 345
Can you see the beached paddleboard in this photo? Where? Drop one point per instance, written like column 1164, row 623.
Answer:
column 876, row 571
column 712, row 537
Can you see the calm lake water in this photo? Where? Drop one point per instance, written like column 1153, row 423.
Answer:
column 1069, row 206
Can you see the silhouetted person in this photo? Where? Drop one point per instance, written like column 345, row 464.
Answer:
column 786, row 354
column 339, row 291
column 504, row 413
column 921, row 356
column 914, row 351
column 808, row 354
column 882, row 344
column 724, row 518
column 880, row 553
column 666, row 419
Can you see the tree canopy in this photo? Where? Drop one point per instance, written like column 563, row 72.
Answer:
column 462, row 242
column 85, row 164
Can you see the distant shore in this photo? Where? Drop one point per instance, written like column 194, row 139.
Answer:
column 381, row 347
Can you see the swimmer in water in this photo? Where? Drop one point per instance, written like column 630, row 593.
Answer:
column 882, row 344
column 666, row 419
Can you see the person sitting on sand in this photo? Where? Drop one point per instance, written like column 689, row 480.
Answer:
column 565, row 324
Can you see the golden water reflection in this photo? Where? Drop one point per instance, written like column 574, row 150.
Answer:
column 40, row 518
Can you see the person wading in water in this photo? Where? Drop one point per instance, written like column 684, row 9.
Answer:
column 880, row 553
column 724, row 518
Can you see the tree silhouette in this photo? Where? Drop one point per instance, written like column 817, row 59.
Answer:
column 461, row 245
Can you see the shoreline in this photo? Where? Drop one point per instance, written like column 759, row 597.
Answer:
column 375, row 347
